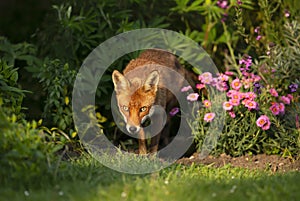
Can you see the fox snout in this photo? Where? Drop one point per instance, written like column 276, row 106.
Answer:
column 133, row 129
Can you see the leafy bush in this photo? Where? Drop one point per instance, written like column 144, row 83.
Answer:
column 74, row 28
column 57, row 80
column 20, row 51
column 11, row 96
column 258, row 120
column 23, row 147
column 263, row 95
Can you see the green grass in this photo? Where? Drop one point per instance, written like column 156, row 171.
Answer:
column 86, row 179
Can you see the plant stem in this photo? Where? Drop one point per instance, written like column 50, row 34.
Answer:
column 228, row 43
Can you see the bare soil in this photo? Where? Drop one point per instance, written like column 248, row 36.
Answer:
column 274, row 163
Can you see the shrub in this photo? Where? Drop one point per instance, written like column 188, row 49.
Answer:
column 57, row 80
column 23, row 147
column 74, row 28
column 11, row 96
column 258, row 120
column 263, row 96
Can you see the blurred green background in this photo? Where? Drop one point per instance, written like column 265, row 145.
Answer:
column 19, row 19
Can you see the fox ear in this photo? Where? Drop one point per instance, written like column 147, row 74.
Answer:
column 151, row 81
column 120, row 81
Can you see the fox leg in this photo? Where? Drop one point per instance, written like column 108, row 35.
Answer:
column 160, row 122
column 154, row 143
column 142, row 142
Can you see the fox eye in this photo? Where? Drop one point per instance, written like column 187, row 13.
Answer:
column 143, row 109
column 125, row 108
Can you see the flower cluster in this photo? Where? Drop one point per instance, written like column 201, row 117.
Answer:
column 242, row 92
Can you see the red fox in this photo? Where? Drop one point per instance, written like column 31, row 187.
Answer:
column 141, row 86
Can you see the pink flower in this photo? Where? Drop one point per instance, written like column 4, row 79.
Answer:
column 273, row 92
column 287, row 13
column 246, row 61
column 206, row 103
column 209, row 117
column 232, row 114
column 281, row 108
column 251, row 104
column 244, row 101
column 200, row 86
column 227, row 105
column 236, row 84
column 290, row 96
column 230, row 93
column 285, row 100
column 221, row 86
column 258, row 37
column 206, row 78
column 247, row 83
column 222, row 4
column 174, row 111
column 250, row 95
column 257, row 78
column 214, row 81
column 237, row 95
column 184, row 89
column 234, row 102
column 263, row 122
column 193, row 97
column 241, row 95
column 223, row 77
column 229, row 73
column 275, row 108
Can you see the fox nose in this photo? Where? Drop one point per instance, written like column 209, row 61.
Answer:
column 132, row 129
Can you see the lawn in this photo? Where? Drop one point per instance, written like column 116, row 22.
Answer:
column 87, row 179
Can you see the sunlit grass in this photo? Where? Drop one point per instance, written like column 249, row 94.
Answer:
column 86, row 179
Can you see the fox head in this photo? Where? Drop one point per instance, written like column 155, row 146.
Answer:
column 135, row 98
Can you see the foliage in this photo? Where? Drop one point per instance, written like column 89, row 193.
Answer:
column 57, row 80
column 24, row 148
column 11, row 96
column 263, row 105
column 21, row 51
column 229, row 31
column 14, row 57
column 75, row 27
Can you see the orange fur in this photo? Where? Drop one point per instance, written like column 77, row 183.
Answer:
column 141, row 86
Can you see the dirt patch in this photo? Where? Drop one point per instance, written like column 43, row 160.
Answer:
column 261, row 162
